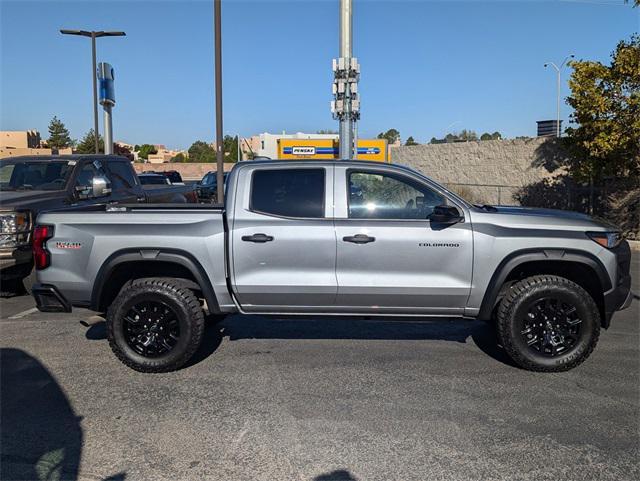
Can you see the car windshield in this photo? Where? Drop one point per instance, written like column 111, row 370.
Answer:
column 35, row 175
column 152, row 179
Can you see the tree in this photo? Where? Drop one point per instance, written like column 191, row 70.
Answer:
column 467, row 136
column 230, row 148
column 410, row 141
column 486, row 136
column 392, row 136
column 496, row 136
column 145, row 150
column 179, row 157
column 326, row 132
column 606, row 111
column 200, row 151
column 87, row 144
column 59, row 137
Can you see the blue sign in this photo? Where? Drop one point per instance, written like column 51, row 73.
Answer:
column 106, row 78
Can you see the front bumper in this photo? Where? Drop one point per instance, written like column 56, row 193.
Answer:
column 15, row 262
column 49, row 299
column 620, row 296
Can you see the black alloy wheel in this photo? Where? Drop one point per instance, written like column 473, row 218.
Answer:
column 551, row 327
column 151, row 328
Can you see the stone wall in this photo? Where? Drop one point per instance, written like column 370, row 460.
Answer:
column 487, row 171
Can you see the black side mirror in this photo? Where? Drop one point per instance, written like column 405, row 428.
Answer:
column 445, row 214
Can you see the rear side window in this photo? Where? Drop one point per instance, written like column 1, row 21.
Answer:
column 288, row 192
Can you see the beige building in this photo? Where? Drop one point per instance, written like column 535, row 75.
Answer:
column 21, row 142
column 163, row 155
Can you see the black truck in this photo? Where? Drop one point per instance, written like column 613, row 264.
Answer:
column 32, row 184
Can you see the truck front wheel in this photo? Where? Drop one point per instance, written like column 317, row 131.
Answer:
column 155, row 325
column 548, row 323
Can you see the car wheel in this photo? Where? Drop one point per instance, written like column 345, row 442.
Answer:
column 548, row 323
column 155, row 325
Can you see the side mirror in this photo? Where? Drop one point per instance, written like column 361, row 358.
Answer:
column 100, row 187
column 445, row 214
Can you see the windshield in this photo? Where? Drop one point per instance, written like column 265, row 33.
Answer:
column 152, row 180
column 38, row 175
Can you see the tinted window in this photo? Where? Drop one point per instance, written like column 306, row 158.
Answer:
column 288, row 192
column 88, row 172
column 47, row 175
column 383, row 196
column 153, row 180
column 122, row 175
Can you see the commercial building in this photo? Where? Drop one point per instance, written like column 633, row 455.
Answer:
column 21, row 142
column 266, row 144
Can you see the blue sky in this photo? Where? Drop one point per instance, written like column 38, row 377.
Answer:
column 425, row 65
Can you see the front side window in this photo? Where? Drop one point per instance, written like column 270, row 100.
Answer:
column 122, row 175
column 377, row 195
column 288, row 192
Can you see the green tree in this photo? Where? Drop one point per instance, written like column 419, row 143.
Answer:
column 230, row 148
column 326, row 132
column 411, row 141
column 145, row 150
column 486, row 136
column 87, row 144
column 59, row 137
column 606, row 111
column 200, row 151
column 467, row 136
column 392, row 136
column 496, row 136
column 180, row 157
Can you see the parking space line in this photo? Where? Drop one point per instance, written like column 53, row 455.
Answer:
column 24, row 313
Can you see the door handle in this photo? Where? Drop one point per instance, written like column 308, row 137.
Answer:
column 141, row 199
column 259, row 238
column 359, row 239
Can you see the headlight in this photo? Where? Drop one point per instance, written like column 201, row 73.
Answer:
column 606, row 239
column 14, row 229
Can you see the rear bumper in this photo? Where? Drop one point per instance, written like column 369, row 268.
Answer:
column 49, row 299
column 620, row 296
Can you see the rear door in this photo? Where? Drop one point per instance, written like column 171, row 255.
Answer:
column 283, row 245
column 390, row 257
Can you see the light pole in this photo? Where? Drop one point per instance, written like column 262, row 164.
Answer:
column 93, row 35
column 217, row 23
column 558, row 69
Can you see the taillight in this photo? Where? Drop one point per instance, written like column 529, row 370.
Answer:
column 41, row 256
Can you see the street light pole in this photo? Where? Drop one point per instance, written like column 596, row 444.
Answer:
column 218, row 87
column 96, row 134
column 558, row 70
column 93, row 35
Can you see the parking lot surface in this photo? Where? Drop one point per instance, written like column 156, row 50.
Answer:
column 323, row 399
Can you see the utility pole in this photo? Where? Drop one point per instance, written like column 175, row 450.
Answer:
column 218, row 81
column 346, row 105
column 558, row 69
column 94, row 72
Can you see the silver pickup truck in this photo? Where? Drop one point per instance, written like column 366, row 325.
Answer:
column 334, row 238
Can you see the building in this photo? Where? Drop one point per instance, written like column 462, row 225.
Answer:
column 266, row 144
column 21, row 142
column 162, row 155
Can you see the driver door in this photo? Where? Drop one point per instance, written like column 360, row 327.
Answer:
column 390, row 257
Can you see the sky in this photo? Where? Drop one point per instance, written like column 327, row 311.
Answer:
column 427, row 67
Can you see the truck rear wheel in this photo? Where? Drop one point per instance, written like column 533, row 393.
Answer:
column 155, row 325
column 548, row 323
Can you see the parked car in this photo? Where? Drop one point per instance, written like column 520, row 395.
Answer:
column 147, row 178
column 207, row 188
column 29, row 185
column 173, row 175
column 335, row 238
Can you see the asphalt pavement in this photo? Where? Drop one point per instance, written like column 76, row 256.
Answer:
column 323, row 399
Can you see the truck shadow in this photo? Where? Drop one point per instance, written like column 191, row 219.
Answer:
column 41, row 436
column 237, row 327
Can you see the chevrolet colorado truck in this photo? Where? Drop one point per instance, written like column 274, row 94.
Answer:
column 334, row 238
column 31, row 184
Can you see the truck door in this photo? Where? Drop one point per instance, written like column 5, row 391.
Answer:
column 390, row 257
column 283, row 244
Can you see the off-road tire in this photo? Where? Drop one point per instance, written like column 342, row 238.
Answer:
column 516, row 303
column 187, row 309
